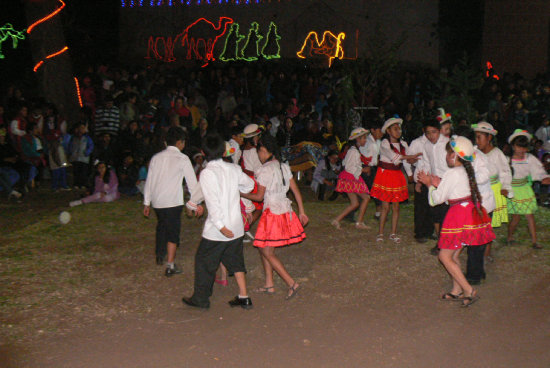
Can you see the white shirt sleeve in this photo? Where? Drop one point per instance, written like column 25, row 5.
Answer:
column 504, row 171
column 536, row 169
column 246, row 184
column 151, row 177
column 208, row 185
column 442, row 192
column 15, row 128
column 251, row 160
column 387, row 154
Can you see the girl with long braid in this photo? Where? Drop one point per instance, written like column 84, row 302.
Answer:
column 279, row 226
column 466, row 222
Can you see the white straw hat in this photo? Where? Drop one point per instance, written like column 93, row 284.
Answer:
column 519, row 132
column 484, row 127
column 388, row 123
column 251, row 130
column 357, row 132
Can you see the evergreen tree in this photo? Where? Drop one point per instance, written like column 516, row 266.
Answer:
column 272, row 48
column 231, row 48
column 251, row 49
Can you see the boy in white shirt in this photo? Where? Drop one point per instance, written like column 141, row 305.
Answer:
column 222, row 238
column 164, row 192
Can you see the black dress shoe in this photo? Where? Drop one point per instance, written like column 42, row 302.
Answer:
column 160, row 260
column 434, row 251
column 245, row 303
column 190, row 303
column 171, row 271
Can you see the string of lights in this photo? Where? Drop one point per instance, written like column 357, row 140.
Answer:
column 174, row 3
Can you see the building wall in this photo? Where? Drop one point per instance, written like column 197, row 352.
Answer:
column 515, row 36
column 295, row 19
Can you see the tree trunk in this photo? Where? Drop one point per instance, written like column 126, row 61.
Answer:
column 56, row 73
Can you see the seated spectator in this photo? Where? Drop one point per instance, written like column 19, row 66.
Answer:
column 325, row 175
column 128, row 174
column 33, row 150
column 142, row 176
column 8, row 176
column 58, row 162
column 105, row 187
column 104, row 150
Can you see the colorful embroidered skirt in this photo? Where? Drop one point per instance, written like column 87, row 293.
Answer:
column 278, row 230
column 464, row 225
column 390, row 186
column 348, row 184
column 524, row 201
column 500, row 214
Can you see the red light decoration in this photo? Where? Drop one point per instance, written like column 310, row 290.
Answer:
column 51, row 15
column 78, row 91
column 330, row 46
column 39, row 64
column 490, row 71
column 198, row 48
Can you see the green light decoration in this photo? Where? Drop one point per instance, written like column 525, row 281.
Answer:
column 8, row 31
column 272, row 48
column 251, row 48
column 231, row 48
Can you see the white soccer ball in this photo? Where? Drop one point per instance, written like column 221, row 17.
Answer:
column 64, row 217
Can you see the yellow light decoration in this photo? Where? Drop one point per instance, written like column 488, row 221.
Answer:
column 330, row 46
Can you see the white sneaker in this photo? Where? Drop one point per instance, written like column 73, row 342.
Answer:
column 16, row 194
column 250, row 236
column 75, row 203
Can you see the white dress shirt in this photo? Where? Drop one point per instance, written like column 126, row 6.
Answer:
column 164, row 183
column 352, row 162
column 251, row 160
column 417, row 146
column 371, row 149
column 221, row 184
column 434, row 157
column 454, row 185
column 271, row 176
column 238, row 153
column 483, row 180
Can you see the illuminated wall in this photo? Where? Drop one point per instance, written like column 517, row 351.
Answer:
column 149, row 33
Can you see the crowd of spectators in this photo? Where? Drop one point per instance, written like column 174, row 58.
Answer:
column 127, row 110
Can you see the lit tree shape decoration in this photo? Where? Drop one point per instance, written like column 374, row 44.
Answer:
column 272, row 48
column 8, row 31
column 231, row 48
column 251, row 48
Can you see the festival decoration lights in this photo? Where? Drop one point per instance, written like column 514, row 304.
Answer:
column 272, row 43
column 49, row 16
column 490, row 73
column 7, row 31
column 253, row 33
column 78, row 91
column 330, row 46
column 172, row 3
column 39, row 64
column 231, row 48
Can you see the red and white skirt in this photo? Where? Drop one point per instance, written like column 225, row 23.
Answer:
column 464, row 225
column 278, row 230
column 348, row 184
column 390, row 186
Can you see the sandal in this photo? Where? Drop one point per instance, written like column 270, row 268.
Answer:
column 362, row 226
column 269, row 290
column 292, row 291
column 396, row 239
column 451, row 297
column 379, row 238
column 537, row 246
column 469, row 300
column 336, row 224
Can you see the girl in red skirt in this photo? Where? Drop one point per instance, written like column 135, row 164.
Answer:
column 279, row 226
column 350, row 181
column 390, row 184
column 466, row 222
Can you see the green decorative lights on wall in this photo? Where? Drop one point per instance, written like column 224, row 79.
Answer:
column 6, row 32
column 237, row 48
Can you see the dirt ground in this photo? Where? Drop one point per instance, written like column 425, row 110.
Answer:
column 88, row 294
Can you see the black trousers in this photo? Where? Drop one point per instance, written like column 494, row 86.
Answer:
column 207, row 260
column 423, row 225
column 80, row 174
column 168, row 228
column 475, row 264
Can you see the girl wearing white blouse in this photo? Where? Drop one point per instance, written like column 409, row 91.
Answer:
column 390, row 184
column 466, row 222
column 279, row 226
column 525, row 168
column 351, row 182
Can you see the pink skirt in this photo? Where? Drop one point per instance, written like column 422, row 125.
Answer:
column 390, row 186
column 348, row 184
column 463, row 225
column 278, row 230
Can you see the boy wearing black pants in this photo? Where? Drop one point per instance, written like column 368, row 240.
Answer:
column 222, row 237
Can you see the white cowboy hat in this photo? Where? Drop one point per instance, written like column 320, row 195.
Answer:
column 463, row 147
column 443, row 117
column 251, row 130
column 388, row 123
column 357, row 132
column 519, row 132
column 484, row 127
